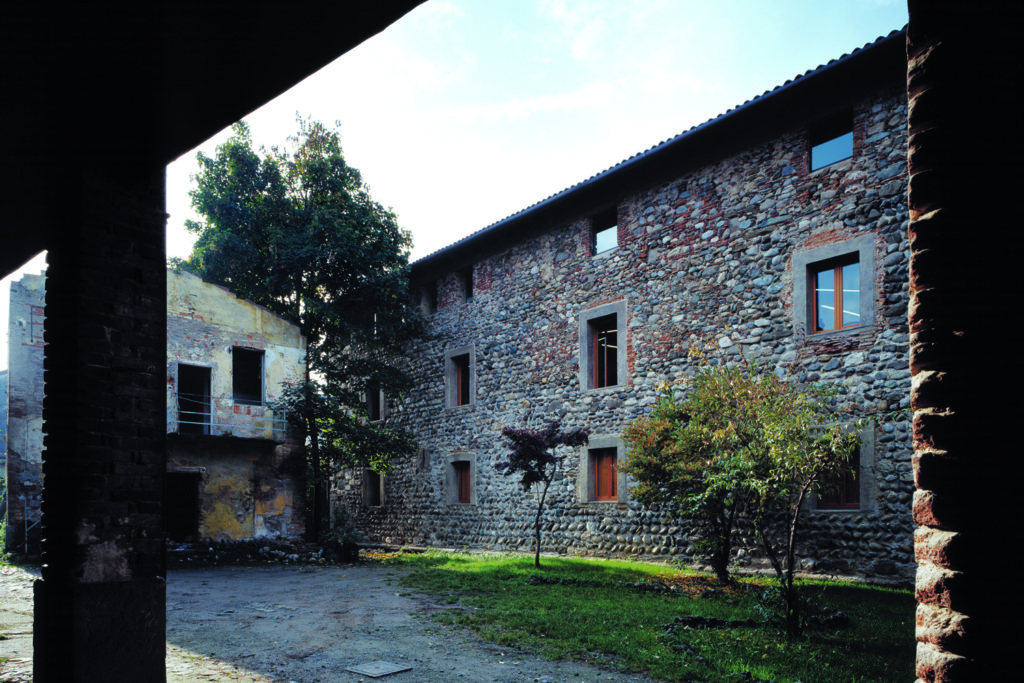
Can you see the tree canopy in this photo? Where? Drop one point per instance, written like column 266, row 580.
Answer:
column 740, row 441
column 296, row 231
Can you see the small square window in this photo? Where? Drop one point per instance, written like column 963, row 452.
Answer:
column 833, row 287
column 460, row 383
column 836, row 295
column 247, row 376
column 831, row 140
column 604, row 232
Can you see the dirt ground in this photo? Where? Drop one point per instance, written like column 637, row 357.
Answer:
column 287, row 624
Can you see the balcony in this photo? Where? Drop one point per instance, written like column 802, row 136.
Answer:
column 203, row 415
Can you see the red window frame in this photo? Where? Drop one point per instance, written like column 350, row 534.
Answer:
column 606, row 350
column 604, row 464
column 838, row 295
column 463, row 379
column 463, row 486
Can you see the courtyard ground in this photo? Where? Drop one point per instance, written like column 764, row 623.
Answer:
column 302, row 624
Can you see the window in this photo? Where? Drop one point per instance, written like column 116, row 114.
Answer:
column 846, row 496
column 374, row 402
column 603, row 346
column 856, row 490
column 460, row 383
column 183, row 505
column 600, row 479
column 831, row 140
column 603, row 461
column 193, row 400
column 467, row 282
column 833, row 287
column 428, row 298
column 247, row 376
column 373, row 488
column 836, row 296
column 604, row 231
column 459, row 480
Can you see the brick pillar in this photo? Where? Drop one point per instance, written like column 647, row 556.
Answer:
column 963, row 109
column 100, row 605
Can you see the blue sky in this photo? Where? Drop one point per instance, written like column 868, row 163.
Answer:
column 466, row 111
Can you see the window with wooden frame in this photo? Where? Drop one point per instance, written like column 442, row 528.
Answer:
column 459, row 478
column 603, row 463
column 604, row 231
column 833, row 287
column 463, row 482
column 605, row 350
column 460, row 382
column 831, row 140
column 603, row 346
column 846, row 495
column 836, row 295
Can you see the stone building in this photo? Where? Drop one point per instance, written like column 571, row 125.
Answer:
column 778, row 228
column 234, row 468
column 24, row 467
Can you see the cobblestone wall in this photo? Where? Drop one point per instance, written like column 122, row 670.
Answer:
column 724, row 251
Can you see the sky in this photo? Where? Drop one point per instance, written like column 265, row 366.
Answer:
column 466, row 111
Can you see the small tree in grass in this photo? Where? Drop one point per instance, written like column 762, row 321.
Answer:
column 740, row 441
column 533, row 457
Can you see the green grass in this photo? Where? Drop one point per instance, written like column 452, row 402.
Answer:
column 597, row 619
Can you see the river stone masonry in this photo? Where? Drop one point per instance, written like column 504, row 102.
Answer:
column 723, row 251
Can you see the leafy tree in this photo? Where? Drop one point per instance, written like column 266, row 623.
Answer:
column 533, row 457
column 297, row 232
column 740, row 441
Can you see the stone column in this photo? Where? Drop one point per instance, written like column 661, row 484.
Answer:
column 100, row 605
column 964, row 109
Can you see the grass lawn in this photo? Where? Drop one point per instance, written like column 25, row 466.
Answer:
column 613, row 611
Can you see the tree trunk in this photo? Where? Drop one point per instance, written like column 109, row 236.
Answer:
column 536, row 521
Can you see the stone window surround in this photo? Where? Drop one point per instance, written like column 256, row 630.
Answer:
column 451, row 389
column 804, row 264
column 585, row 477
column 586, row 331
column 368, row 480
column 866, row 474
column 451, row 483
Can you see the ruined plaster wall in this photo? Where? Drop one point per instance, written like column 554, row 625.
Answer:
column 248, row 483
column 25, row 413
column 710, row 253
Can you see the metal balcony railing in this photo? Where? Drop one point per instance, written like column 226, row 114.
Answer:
column 200, row 415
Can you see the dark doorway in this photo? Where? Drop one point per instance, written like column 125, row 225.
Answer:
column 193, row 400
column 183, row 506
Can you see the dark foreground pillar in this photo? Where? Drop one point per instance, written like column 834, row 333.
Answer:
column 100, row 605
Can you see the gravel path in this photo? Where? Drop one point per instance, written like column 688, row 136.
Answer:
column 307, row 625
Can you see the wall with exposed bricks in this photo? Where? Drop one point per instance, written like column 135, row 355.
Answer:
column 715, row 252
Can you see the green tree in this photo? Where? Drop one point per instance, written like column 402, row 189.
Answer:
column 741, row 441
column 297, row 232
